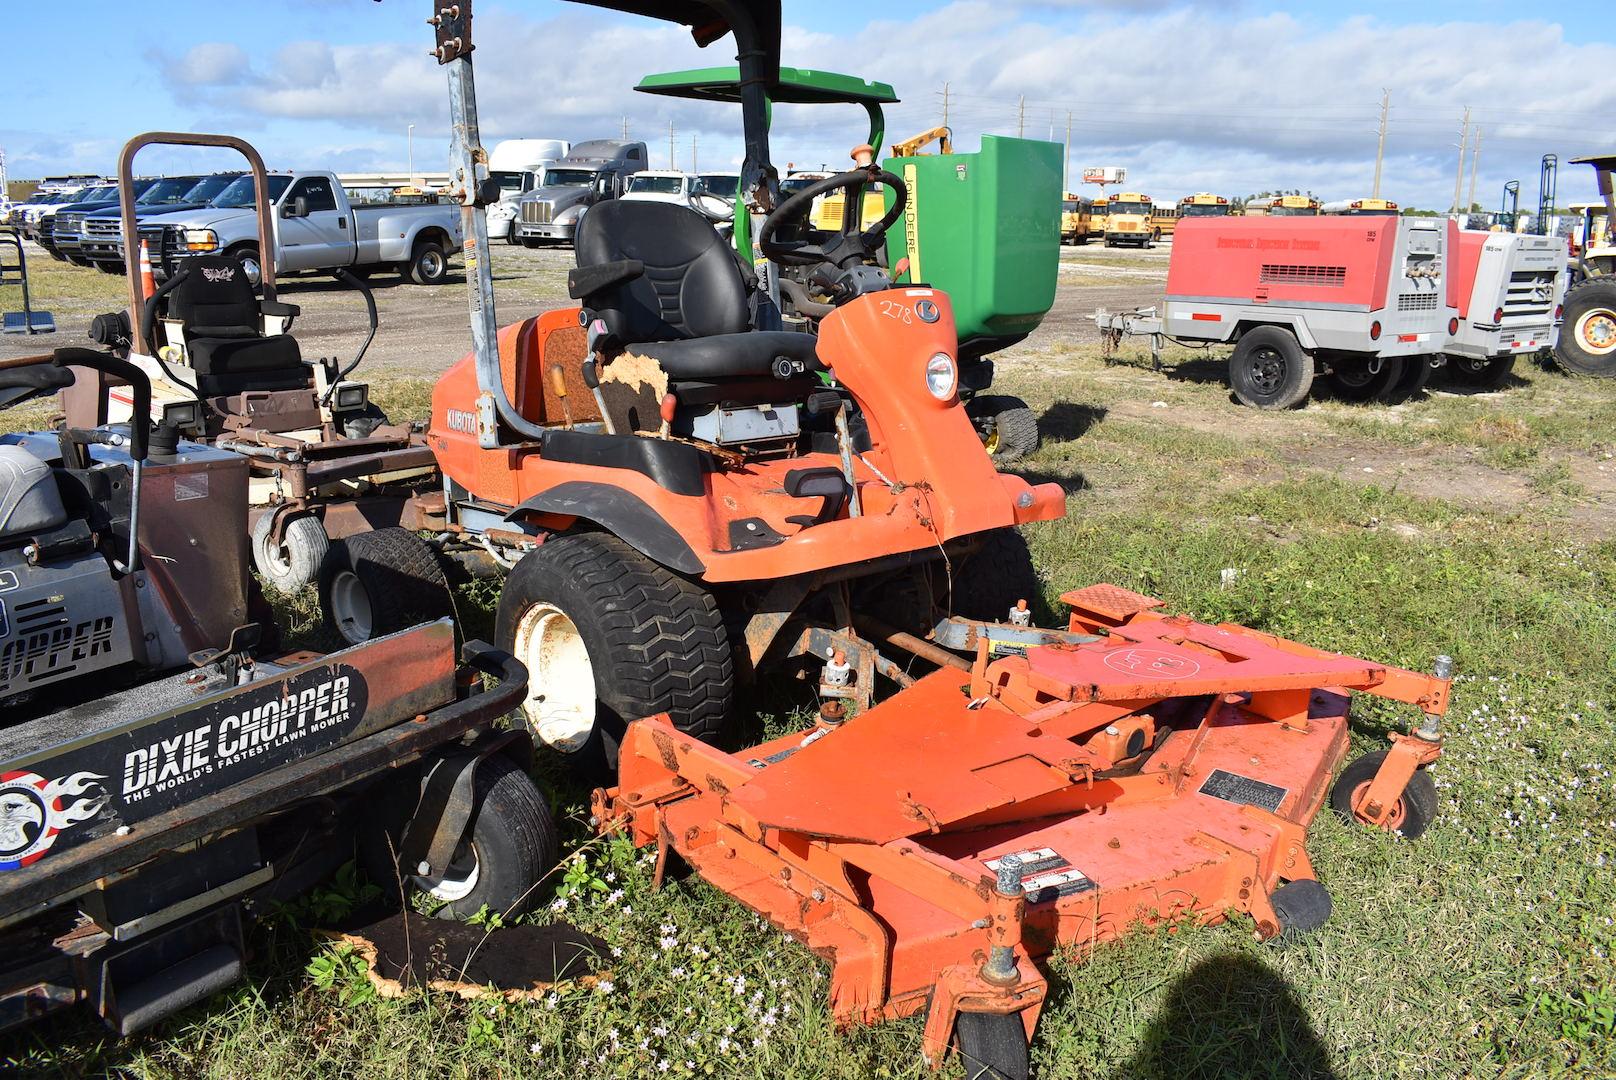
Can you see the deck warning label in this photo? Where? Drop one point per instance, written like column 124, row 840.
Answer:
column 1046, row 875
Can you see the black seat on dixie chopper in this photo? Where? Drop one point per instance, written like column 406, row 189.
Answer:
column 663, row 281
column 30, row 500
column 224, row 336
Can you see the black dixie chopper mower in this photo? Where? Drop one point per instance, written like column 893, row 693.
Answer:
column 162, row 779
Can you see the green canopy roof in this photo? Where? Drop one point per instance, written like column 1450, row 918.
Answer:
column 798, row 86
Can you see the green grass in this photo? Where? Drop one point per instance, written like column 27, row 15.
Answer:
column 1483, row 949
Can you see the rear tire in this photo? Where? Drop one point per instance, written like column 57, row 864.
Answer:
column 1269, row 369
column 512, row 844
column 1587, row 344
column 1006, row 425
column 1479, row 374
column 381, row 582
column 992, row 1046
column 428, row 265
column 1411, row 382
column 296, row 561
column 610, row 637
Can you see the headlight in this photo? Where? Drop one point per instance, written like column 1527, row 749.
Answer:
column 941, row 376
column 351, row 396
column 201, row 240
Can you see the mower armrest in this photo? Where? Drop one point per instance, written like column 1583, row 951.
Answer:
column 584, row 281
column 280, row 310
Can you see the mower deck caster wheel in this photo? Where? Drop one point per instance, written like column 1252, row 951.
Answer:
column 1007, row 426
column 381, row 582
column 992, row 1046
column 1411, row 815
column 295, row 561
column 511, row 844
column 1302, row 905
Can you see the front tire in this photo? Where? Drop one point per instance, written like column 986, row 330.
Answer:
column 1006, row 425
column 988, row 582
column 294, row 562
column 428, row 265
column 381, row 582
column 1587, row 343
column 247, row 256
column 610, row 637
column 511, row 844
column 1269, row 369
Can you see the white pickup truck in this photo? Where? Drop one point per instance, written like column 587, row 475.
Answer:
column 316, row 228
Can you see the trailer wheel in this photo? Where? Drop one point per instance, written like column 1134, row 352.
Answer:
column 1411, row 381
column 1303, row 906
column 992, row 1046
column 380, row 582
column 295, row 561
column 428, row 264
column 511, row 845
column 1006, row 425
column 1480, row 374
column 1412, row 814
column 1269, row 369
column 987, row 583
column 608, row 637
column 1587, row 344
column 1351, row 380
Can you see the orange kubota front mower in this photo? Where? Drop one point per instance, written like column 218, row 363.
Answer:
column 935, row 849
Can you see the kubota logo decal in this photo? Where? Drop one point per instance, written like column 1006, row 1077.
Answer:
column 462, row 420
column 1151, row 664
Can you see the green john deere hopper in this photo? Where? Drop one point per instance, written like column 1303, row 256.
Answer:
column 984, row 228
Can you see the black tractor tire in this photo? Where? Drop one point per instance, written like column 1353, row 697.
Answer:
column 992, row 1046
column 654, row 641
column 1269, row 369
column 296, row 561
column 513, row 843
column 1587, row 344
column 381, row 582
column 1476, row 374
column 362, row 423
column 1303, row 906
column 1414, row 811
column 1411, row 381
column 988, row 582
column 1008, row 428
column 428, row 264
column 1351, row 380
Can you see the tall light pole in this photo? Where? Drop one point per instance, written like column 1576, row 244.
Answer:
column 1380, row 144
column 410, row 135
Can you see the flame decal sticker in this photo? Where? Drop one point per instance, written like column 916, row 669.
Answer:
column 33, row 811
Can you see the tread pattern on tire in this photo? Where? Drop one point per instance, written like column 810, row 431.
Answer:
column 416, row 589
column 1014, row 421
column 670, row 627
column 1596, row 367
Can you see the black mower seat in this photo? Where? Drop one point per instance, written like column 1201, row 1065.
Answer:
column 30, row 501
column 668, row 286
column 224, row 335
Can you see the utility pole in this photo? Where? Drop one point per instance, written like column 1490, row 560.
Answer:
column 410, row 134
column 1066, row 162
column 1380, row 146
column 672, row 164
column 1464, row 139
column 1021, row 115
column 945, row 104
column 625, row 129
column 692, row 153
column 1475, row 156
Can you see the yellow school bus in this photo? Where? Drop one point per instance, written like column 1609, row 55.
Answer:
column 1283, row 206
column 1128, row 220
column 1203, row 204
column 1360, row 207
column 1163, row 220
column 1077, row 215
column 1097, row 212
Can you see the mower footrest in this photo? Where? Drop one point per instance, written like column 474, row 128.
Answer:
column 18, row 322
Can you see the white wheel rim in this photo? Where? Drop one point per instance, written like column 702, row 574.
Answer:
column 1596, row 331
column 350, row 607
column 560, row 705
column 276, row 559
column 457, row 881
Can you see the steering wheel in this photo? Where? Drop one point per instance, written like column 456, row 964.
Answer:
column 850, row 246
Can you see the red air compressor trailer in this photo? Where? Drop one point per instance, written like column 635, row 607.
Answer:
column 1366, row 301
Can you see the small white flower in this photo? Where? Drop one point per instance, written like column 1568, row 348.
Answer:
column 605, row 986
column 535, row 1048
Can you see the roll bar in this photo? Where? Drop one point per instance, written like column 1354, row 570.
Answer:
column 126, row 211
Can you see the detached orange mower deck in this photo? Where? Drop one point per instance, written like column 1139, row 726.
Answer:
column 936, row 847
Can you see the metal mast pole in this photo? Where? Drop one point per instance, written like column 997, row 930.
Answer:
column 1475, row 156
column 1066, row 162
column 1464, row 139
column 1380, row 147
column 472, row 187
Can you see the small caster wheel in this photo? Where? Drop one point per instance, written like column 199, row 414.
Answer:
column 1302, row 905
column 992, row 1046
column 1413, row 812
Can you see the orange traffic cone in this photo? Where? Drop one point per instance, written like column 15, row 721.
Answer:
column 148, row 283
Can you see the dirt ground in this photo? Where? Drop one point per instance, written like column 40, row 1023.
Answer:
column 1539, row 443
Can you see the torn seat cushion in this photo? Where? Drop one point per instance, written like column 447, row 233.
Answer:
column 730, row 355
column 30, row 501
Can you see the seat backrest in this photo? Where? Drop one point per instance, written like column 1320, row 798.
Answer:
column 691, row 287
column 30, row 500
column 216, row 295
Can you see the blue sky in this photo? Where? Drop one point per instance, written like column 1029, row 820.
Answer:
column 1229, row 97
